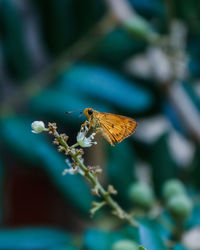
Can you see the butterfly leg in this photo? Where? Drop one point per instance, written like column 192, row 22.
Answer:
column 86, row 126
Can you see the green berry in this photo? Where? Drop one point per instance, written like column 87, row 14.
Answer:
column 180, row 206
column 141, row 195
column 172, row 187
column 125, row 245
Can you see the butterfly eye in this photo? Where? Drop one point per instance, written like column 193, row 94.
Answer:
column 90, row 112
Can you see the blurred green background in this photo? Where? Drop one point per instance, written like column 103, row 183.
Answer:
column 139, row 58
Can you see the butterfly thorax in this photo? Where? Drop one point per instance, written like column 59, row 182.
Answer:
column 92, row 118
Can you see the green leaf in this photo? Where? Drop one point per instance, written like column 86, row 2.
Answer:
column 179, row 247
column 14, row 49
column 117, row 46
column 141, row 248
column 100, row 240
column 36, row 150
column 58, row 23
column 139, row 27
column 187, row 11
column 163, row 165
column 190, row 91
column 1, row 190
column 173, row 116
column 194, row 219
column 196, row 169
column 145, row 235
column 34, row 238
column 120, row 168
column 64, row 21
column 106, row 86
column 64, row 248
column 85, row 19
column 194, row 66
column 130, row 232
column 53, row 104
column 149, row 8
column 97, row 240
column 163, row 226
column 150, row 239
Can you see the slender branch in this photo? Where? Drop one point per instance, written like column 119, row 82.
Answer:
column 91, row 177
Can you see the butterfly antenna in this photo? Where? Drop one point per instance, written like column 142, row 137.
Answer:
column 69, row 112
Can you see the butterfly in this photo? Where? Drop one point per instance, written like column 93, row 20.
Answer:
column 114, row 128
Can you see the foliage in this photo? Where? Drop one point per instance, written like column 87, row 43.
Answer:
column 139, row 59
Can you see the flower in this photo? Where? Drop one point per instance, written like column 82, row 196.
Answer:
column 38, row 127
column 71, row 170
column 84, row 141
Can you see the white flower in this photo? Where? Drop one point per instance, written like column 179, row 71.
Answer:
column 84, row 141
column 71, row 170
column 38, row 127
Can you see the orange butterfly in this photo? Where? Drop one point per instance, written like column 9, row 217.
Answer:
column 114, row 128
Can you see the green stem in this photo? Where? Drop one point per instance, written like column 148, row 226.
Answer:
column 117, row 210
column 178, row 230
column 75, row 145
column 97, row 206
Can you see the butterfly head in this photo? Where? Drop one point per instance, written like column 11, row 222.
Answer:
column 88, row 112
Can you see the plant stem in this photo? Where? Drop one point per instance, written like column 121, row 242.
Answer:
column 117, row 210
column 97, row 206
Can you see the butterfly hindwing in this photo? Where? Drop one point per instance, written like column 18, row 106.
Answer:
column 117, row 127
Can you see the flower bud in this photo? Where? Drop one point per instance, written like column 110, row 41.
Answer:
column 141, row 195
column 180, row 206
column 172, row 187
column 125, row 245
column 37, row 127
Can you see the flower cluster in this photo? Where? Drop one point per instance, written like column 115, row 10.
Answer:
column 82, row 141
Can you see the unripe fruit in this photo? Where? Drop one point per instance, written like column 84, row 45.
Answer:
column 125, row 245
column 141, row 195
column 180, row 206
column 171, row 188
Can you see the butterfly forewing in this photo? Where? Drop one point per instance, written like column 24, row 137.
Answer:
column 117, row 127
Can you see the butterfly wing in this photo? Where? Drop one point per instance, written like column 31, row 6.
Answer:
column 115, row 128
